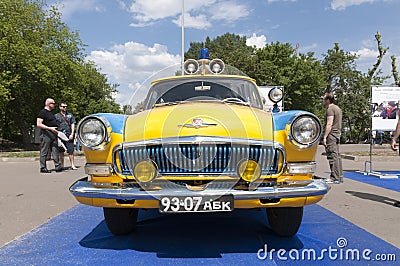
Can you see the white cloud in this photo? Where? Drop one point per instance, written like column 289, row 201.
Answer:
column 273, row 1
column 366, row 53
column 144, row 10
column 308, row 48
column 69, row 7
column 197, row 22
column 369, row 43
column 130, row 64
column 228, row 11
column 276, row 26
column 198, row 14
column 343, row 4
column 367, row 59
column 257, row 41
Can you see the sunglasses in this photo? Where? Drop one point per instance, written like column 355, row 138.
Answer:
column 63, row 106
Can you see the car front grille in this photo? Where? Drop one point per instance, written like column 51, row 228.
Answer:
column 198, row 159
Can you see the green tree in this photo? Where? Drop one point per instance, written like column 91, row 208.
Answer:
column 274, row 64
column 39, row 58
column 395, row 73
column 301, row 76
column 230, row 48
column 351, row 89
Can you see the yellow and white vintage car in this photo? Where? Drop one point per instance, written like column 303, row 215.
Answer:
column 203, row 143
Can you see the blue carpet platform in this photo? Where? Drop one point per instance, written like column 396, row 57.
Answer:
column 392, row 184
column 79, row 236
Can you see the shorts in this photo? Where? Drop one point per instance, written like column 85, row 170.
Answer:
column 70, row 146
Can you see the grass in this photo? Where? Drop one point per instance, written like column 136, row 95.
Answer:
column 19, row 154
column 373, row 153
column 27, row 154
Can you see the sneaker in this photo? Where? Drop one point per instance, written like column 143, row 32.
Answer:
column 73, row 168
column 44, row 170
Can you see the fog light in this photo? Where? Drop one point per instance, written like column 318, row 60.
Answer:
column 249, row 170
column 145, row 171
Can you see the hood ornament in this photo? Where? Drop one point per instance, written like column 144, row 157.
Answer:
column 197, row 123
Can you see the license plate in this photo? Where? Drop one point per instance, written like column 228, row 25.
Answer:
column 174, row 204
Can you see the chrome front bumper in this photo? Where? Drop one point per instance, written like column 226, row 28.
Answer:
column 85, row 189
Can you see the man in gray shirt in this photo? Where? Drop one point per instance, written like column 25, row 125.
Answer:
column 333, row 126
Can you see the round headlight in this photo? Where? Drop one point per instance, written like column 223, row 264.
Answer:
column 92, row 132
column 145, row 171
column 249, row 170
column 306, row 130
column 275, row 94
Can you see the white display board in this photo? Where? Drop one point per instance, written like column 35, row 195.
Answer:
column 385, row 104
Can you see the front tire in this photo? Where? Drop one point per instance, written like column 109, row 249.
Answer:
column 285, row 221
column 120, row 221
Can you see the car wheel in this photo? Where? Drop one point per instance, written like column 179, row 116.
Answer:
column 120, row 221
column 285, row 221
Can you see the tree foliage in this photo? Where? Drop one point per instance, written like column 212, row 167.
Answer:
column 351, row 88
column 274, row 64
column 300, row 75
column 304, row 77
column 40, row 57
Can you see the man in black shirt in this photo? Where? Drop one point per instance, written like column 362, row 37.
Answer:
column 48, row 136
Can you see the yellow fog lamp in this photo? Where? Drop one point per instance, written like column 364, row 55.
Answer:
column 145, row 171
column 249, row 170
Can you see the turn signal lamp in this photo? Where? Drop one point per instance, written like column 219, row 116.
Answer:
column 145, row 171
column 249, row 170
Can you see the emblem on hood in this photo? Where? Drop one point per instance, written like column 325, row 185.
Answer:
column 197, row 123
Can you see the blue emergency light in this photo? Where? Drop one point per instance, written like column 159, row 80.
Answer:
column 204, row 54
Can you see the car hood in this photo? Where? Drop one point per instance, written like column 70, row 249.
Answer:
column 217, row 119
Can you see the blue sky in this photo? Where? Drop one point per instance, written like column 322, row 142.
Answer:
column 130, row 40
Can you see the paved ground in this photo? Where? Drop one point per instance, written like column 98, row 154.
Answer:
column 28, row 198
column 371, row 212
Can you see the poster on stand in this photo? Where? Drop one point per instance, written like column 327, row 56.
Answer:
column 385, row 104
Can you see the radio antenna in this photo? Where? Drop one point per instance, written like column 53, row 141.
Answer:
column 183, row 37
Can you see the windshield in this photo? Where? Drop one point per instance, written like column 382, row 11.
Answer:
column 229, row 90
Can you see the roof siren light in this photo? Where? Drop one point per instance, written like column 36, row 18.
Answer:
column 191, row 66
column 217, row 66
column 204, row 54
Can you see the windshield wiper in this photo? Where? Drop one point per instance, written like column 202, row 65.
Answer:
column 235, row 101
column 169, row 103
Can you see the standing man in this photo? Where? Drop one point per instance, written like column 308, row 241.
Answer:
column 48, row 136
column 66, row 124
column 333, row 127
